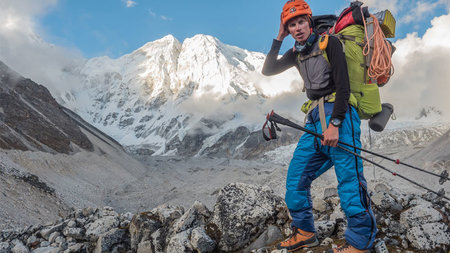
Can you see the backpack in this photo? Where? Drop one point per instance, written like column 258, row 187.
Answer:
column 350, row 28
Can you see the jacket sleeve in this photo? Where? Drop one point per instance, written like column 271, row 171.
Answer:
column 273, row 65
column 340, row 77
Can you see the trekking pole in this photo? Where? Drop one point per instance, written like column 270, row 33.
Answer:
column 443, row 177
column 393, row 173
column 273, row 117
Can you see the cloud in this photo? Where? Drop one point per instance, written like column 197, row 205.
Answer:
column 421, row 71
column 22, row 49
column 155, row 15
column 421, row 10
column 129, row 3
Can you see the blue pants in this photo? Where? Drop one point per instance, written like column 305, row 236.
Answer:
column 311, row 159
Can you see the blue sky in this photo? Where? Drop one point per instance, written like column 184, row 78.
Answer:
column 117, row 27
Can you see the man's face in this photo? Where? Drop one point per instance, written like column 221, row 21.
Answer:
column 299, row 29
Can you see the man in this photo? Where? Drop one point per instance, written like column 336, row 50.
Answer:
column 326, row 79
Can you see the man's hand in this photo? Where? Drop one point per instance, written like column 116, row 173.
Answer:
column 282, row 33
column 331, row 136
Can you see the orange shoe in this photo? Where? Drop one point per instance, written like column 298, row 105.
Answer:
column 299, row 239
column 347, row 248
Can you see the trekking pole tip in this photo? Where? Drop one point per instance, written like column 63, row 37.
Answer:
column 443, row 177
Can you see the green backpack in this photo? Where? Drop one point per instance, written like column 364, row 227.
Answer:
column 365, row 95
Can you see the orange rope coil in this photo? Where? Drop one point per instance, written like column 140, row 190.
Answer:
column 380, row 65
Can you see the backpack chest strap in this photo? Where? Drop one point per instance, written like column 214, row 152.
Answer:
column 313, row 54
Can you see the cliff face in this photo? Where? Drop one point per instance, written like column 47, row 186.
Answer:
column 31, row 119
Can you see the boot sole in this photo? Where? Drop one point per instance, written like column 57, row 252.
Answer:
column 313, row 244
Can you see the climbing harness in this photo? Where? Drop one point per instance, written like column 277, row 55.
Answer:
column 273, row 119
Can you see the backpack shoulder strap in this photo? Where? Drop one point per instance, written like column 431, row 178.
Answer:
column 323, row 41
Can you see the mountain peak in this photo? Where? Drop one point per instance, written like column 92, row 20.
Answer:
column 166, row 41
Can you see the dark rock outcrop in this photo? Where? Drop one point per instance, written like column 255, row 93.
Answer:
column 31, row 119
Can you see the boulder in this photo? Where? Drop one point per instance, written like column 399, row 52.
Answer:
column 381, row 188
column 429, row 236
column 4, row 247
column 386, row 202
column 141, row 228
column 46, row 232
column 195, row 216
column 77, row 247
column 77, row 233
column 144, row 247
column 325, row 228
column 421, row 214
column 241, row 213
column 46, row 250
column 112, row 241
column 20, row 248
column 271, row 235
column 180, row 243
column 201, row 242
column 319, row 205
column 330, row 192
column 100, row 226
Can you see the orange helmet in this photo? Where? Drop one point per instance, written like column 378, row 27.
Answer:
column 294, row 8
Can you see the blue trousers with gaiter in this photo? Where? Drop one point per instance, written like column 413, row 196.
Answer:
column 311, row 159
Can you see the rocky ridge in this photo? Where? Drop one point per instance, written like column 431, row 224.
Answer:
column 245, row 218
column 31, row 119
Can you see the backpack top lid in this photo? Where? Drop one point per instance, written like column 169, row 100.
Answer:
column 354, row 14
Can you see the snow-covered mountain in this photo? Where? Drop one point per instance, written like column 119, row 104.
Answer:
column 173, row 97
column 199, row 97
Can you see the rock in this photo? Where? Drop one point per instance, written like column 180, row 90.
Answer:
column 420, row 214
column 396, row 227
column 100, row 226
column 53, row 236
column 326, row 241
column 325, row 228
column 46, row 250
column 144, row 247
column 20, row 248
column 241, row 214
column 4, row 247
column 159, row 239
column 429, row 236
column 319, row 205
column 31, row 241
column 271, row 235
column 113, row 240
column 167, row 214
column 337, row 215
column 180, row 243
column 330, row 192
column 88, row 211
column 194, row 217
column 72, row 224
column 44, row 244
column 60, row 239
column 128, row 216
column 45, row 233
column 74, row 248
column 201, row 241
column 142, row 226
column 381, row 188
column 385, row 202
column 340, row 229
column 77, row 233
column 33, row 120
column 108, row 211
